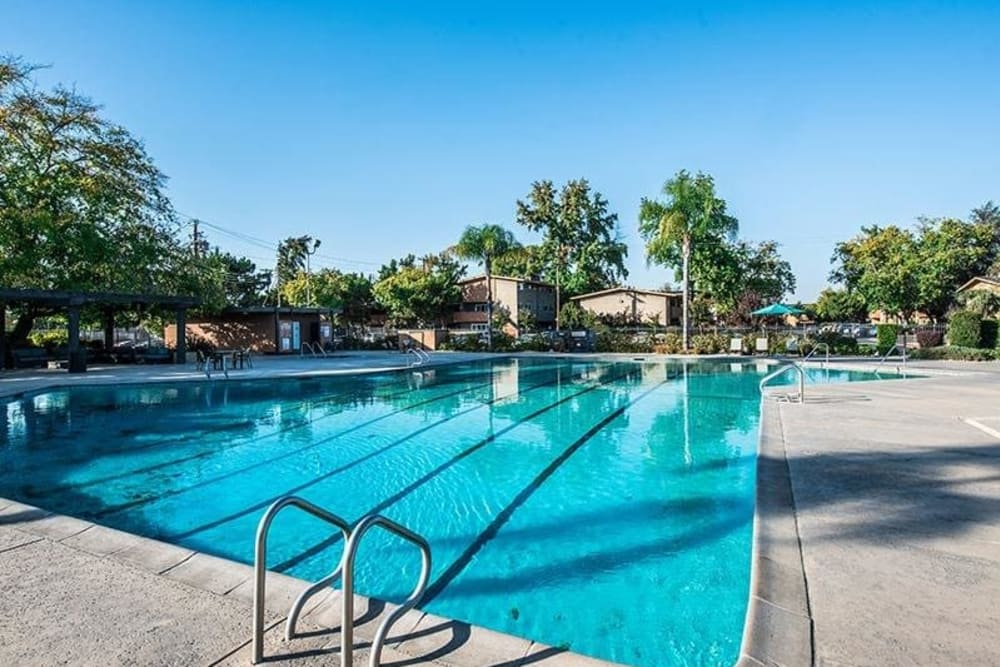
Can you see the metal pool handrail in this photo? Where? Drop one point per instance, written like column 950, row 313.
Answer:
column 813, row 351
column 781, row 371
column 347, row 616
column 422, row 357
column 895, row 346
column 260, row 568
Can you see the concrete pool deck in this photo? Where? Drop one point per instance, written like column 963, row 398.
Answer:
column 878, row 527
column 877, row 541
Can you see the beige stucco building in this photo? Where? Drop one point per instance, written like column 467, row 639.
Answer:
column 514, row 296
column 634, row 306
column 980, row 283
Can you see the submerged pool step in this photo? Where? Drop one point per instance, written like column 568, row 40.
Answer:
column 344, row 570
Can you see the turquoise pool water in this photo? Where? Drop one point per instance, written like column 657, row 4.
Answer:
column 601, row 506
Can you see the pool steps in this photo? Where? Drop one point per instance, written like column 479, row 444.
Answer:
column 345, row 570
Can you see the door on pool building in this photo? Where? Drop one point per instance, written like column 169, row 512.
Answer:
column 296, row 335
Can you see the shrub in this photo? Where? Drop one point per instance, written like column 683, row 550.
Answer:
column 709, row 343
column 620, row 341
column 954, row 353
column 533, row 344
column 929, row 338
column 672, row 343
column 844, row 345
column 464, row 343
column 886, row 337
column 965, row 329
column 49, row 339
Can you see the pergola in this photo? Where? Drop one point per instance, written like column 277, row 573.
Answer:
column 108, row 302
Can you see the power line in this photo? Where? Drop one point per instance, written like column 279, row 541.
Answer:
column 267, row 245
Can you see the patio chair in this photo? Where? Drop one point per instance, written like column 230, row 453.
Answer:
column 761, row 346
column 792, row 345
column 200, row 360
column 736, row 345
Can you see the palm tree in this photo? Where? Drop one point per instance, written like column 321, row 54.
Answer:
column 692, row 214
column 484, row 244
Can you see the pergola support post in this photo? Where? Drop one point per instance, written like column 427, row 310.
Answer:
column 77, row 355
column 109, row 330
column 181, row 351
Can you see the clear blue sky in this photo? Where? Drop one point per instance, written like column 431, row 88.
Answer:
column 385, row 128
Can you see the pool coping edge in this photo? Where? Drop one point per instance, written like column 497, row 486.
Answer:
column 201, row 571
column 778, row 629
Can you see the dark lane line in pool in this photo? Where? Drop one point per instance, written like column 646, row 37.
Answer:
column 206, row 482
column 315, row 480
column 507, row 512
column 317, row 548
column 170, row 442
column 279, row 432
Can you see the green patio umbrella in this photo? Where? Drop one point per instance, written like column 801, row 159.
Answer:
column 777, row 310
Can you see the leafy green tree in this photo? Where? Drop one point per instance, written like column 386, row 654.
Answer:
column 323, row 288
column 484, row 244
column 526, row 261
column 576, row 317
column 394, row 266
column 356, row 298
column 882, row 265
column 841, row 305
column 950, row 252
column 581, row 248
column 243, row 285
column 740, row 277
column 349, row 292
column 421, row 295
column 293, row 259
column 82, row 206
column 691, row 217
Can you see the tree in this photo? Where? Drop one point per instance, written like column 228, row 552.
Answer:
column 293, row 259
column 841, row 305
column 322, row 289
column 82, row 206
column 882, row 265
column 950, row 252
column 357, row 300
column 526, row 261
column 740, row 277
column 581, row 250
column 692, row 216
column 243, row 285
column 484, row 244
column 421, row 295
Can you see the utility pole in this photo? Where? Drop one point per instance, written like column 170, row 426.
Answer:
column 196, row 239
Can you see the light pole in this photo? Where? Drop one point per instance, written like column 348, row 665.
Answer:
column 310, row 253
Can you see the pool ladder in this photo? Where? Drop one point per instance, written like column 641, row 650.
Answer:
column 421, row 357
column 345, row 570
column 781, row 371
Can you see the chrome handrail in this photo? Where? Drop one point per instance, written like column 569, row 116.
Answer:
column 422, row 356
column 813, row 351
column 260, row 568
column 347, row 616
column 781, row 371
column 312, row 350
column 895, row 346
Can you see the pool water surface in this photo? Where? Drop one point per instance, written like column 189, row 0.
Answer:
column 601, row 506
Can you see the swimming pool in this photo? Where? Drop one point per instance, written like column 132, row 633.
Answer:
column 602, row 506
